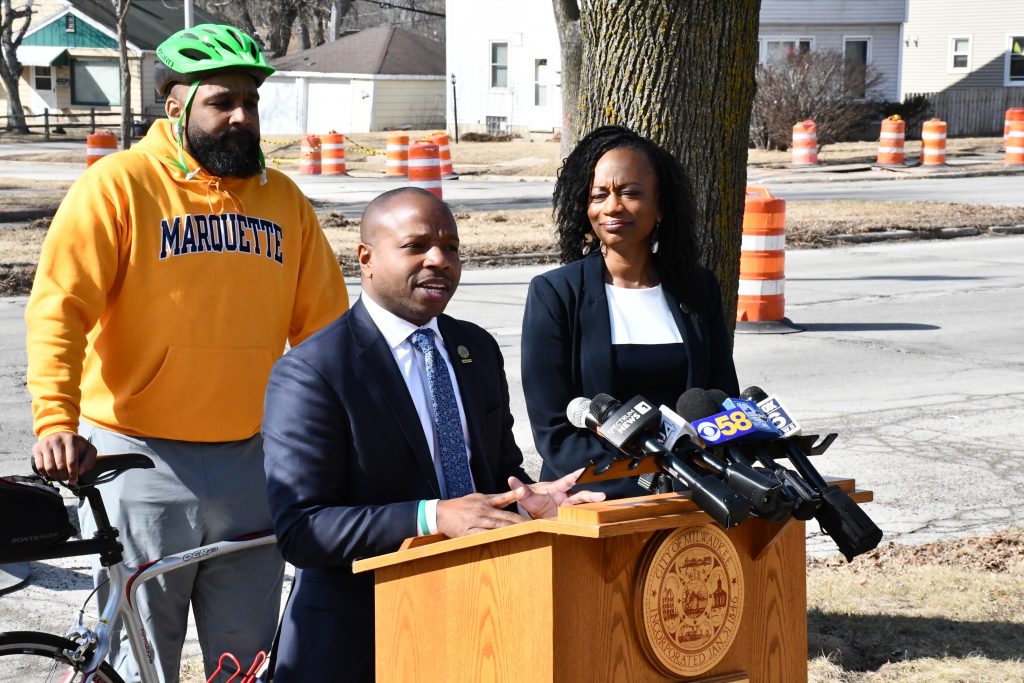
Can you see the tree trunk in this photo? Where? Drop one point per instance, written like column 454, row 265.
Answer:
column 567, row 18
column 281, row 22
column 121, row 12
column 682, row 73
column 10, row 67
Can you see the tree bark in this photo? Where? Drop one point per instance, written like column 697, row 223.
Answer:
column 682, row 73
column 10, row 67
column 567, row 18
column 121, row 13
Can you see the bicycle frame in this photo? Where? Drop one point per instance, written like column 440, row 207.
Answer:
column 125, row 582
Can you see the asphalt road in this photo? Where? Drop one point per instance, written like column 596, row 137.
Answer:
column 1007, row 190
column 493, row 193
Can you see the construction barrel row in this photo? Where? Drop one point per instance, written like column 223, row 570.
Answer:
column 892, row 139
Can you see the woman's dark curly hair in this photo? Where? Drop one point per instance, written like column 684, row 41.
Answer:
column 676, row 260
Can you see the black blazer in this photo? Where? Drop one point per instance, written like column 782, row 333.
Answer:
column 347, row 462
column 566, row 352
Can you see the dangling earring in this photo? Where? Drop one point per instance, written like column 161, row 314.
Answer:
column 654, row 237
column 588, row 243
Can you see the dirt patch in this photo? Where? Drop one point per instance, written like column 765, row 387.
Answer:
column 813, row 223
column 920, row 613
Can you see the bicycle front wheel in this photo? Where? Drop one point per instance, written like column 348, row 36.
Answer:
column 34, row 657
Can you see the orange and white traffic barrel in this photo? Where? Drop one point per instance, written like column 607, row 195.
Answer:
column 1014, row 148
column 890, row 141
column 1012, row 114
column 397, row 162
column 425, row 167
column 445, row 152
column 332, row 151
column 309, row 155
column 762, row 258
column 805, row 143
column 98, row 145
column 933, row 143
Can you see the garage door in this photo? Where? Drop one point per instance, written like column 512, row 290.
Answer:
column 279, row 107
column 330, row 106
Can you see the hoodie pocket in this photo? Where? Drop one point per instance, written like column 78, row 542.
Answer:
column 203, row 394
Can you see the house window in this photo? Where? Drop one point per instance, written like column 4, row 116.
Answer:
column 540, row 80
column 95, row 81
column 856, row 56
column 69, row 23
column 960, row 53
column 42, row 77
column 499, row 65
column 496, row 125
column 784, row 50
column 1015, row 60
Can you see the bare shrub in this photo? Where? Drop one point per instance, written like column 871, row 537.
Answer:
column 839, row 97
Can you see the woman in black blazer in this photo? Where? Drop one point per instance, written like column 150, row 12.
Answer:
column 631, row 311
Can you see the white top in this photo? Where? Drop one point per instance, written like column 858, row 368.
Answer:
column 410, row 362
column 641, row 316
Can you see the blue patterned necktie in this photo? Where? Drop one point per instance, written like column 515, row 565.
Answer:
column 447, row 424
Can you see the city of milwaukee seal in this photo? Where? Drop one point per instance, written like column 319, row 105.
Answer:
column 690, row 599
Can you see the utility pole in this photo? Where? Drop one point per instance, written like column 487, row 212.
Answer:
column 455, row 109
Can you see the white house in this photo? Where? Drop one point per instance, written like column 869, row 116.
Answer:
column 378, row 79
column 506, row 59
column 866, row 32
column 970, row 63
column 505, row 55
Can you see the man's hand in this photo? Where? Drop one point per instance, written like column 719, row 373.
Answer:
column 544, row 498
column 63, row 455
column 476, row 512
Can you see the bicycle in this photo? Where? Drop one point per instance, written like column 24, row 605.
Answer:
column 78, row 655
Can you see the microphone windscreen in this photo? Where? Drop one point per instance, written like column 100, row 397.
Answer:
column 577, row 410
column 694, row 404
column 718, row 397
column 754, row 393
column 602, row 406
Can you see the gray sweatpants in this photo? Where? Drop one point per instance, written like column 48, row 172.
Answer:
column 198, row 493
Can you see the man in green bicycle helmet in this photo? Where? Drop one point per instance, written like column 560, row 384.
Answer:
column 198, row 69
column 172, row 276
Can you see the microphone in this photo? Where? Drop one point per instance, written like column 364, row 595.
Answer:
column 632, row 428
column 741, row 419
column 768, row 498
column 837, row 514
column 773, row 408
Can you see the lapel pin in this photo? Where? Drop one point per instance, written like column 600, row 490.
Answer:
column 463, row 354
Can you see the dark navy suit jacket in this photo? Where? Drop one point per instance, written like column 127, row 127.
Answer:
column 567, row 353
column 347, row 462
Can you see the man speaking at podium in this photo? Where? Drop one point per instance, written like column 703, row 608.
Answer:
column 391, row 422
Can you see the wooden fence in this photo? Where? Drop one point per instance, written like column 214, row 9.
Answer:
column 972, row 112
column 48, row 122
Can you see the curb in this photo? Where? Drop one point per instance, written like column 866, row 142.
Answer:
column 19, row 215
column 937, row 233
column 877, row 173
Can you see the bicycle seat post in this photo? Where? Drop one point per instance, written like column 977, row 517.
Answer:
column 112, row 550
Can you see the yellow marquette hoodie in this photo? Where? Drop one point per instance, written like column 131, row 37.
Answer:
column 160, row 303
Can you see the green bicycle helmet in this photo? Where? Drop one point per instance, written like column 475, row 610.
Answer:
column 193, row 53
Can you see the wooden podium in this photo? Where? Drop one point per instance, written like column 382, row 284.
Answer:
column 577, row 599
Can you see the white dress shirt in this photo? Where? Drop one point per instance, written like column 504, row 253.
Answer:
column 410, row 362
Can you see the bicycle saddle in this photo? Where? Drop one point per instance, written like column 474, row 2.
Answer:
column 113, row 466
column 108, row 468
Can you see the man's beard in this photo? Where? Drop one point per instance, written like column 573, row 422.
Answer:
column 235, row 152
